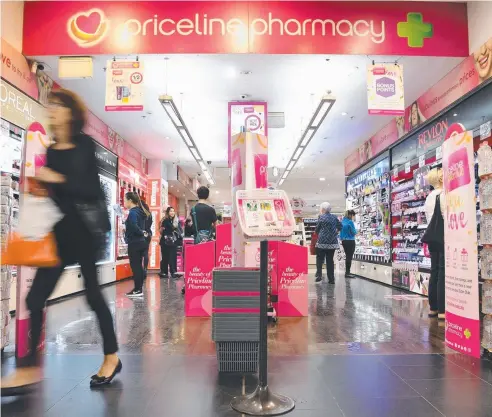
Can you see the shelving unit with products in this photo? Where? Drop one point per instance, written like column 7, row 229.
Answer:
column 310, row 224
column 411, row 258
column 368, row 196
column 11, row 146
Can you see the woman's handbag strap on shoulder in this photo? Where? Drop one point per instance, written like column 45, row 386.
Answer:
column 434, row 234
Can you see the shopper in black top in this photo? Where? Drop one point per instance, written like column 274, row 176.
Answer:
column 204, row 216
column 71, row 175
column 171, row 238
column 189, row 229
column 148, row 229
column 136, row 237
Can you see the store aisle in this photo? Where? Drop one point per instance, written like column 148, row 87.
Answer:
column 365, row 350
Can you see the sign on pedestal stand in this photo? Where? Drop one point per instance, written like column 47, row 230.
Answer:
column 264, row 215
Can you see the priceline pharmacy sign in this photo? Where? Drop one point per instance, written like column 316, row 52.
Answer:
column 375, row 28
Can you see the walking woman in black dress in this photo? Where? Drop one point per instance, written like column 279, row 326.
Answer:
column 71, row 175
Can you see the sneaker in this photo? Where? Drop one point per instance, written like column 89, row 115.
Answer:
column 331, row 281
column 318, row 280
column 162, row 275
column 349, row 275
column 135, row 294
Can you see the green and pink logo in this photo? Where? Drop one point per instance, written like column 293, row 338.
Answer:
column 415, row 30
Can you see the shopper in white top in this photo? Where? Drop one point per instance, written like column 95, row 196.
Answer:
column 436, row 283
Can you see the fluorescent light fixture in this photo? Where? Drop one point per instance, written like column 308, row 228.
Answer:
column 321, row 113
column 172, row 111
column 322, row 179
column 308, row 135
column 324, row 107
column 298, row 153
column 195, row 154
column 186, row 136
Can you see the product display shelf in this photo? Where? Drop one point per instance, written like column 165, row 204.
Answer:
column 484, row 216
column 310, row 224
column 370, row 201
column 11, row 140
column 410, row 257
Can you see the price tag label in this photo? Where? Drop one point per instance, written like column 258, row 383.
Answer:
column 395, row 172
column 485, row 130
column 421, row 161
column 407, row 167
column 439, row 152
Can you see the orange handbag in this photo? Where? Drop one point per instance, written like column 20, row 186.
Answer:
column 41, row 253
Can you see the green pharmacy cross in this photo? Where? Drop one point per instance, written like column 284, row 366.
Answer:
column 415, row 30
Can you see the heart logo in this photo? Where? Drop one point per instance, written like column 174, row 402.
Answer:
column 88, row 28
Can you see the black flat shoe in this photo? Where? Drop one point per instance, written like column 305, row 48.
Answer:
column 20, row 390
column 98, row 381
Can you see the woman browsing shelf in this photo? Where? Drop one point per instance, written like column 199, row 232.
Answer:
column 347, row 235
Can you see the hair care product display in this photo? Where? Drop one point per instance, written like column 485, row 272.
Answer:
column 368, row 196
column 11, row 144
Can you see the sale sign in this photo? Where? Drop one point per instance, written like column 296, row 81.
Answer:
column 461, row 246
column 266, row 27
column 385, row 89
column 124, row 86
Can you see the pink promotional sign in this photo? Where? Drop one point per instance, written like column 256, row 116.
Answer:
column 468, row 75
column 461, row 246
column 223, row 246
column 384, row 138
column 266, row 27
column 97, row 129
column 199, row 264
column 292, row 280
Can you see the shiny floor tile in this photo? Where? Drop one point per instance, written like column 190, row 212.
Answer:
column 361, row 352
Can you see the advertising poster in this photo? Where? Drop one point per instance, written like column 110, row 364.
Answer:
column 292, row 280
column 461, row 250
column 198, row 279
column 124, row 86
column 223, row 246
column 246, row 117
column 385, row 89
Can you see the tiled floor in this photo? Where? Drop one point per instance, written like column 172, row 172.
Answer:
column 363, row 351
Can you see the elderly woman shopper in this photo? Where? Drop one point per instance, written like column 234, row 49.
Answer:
column 327, row 231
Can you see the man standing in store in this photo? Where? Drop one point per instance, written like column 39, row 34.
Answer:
column 204, row 218
column 327, row 231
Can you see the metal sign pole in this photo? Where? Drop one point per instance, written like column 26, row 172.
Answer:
column 263, row 402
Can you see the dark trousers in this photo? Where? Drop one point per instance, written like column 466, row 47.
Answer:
column 43, row 285
column 437, row 288
column 136, row 253
column 146, row 259
column 321, row 255
column 169, row 259
column 349, row 248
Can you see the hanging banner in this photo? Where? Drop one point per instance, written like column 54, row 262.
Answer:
column 385, row 89
column 124, row 86
column 461, row 247
column 266, row 27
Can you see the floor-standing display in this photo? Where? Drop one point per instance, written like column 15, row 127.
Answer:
column 368, row 195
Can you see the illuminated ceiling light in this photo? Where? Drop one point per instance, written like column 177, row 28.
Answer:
column 195, row 154
column 281, row 182
column 172, row 111
column 322, row 179
column 344, row 113
column 324, row 107
column 275, row 171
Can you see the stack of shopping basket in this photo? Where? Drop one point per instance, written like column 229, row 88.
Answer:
column 236, row 318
